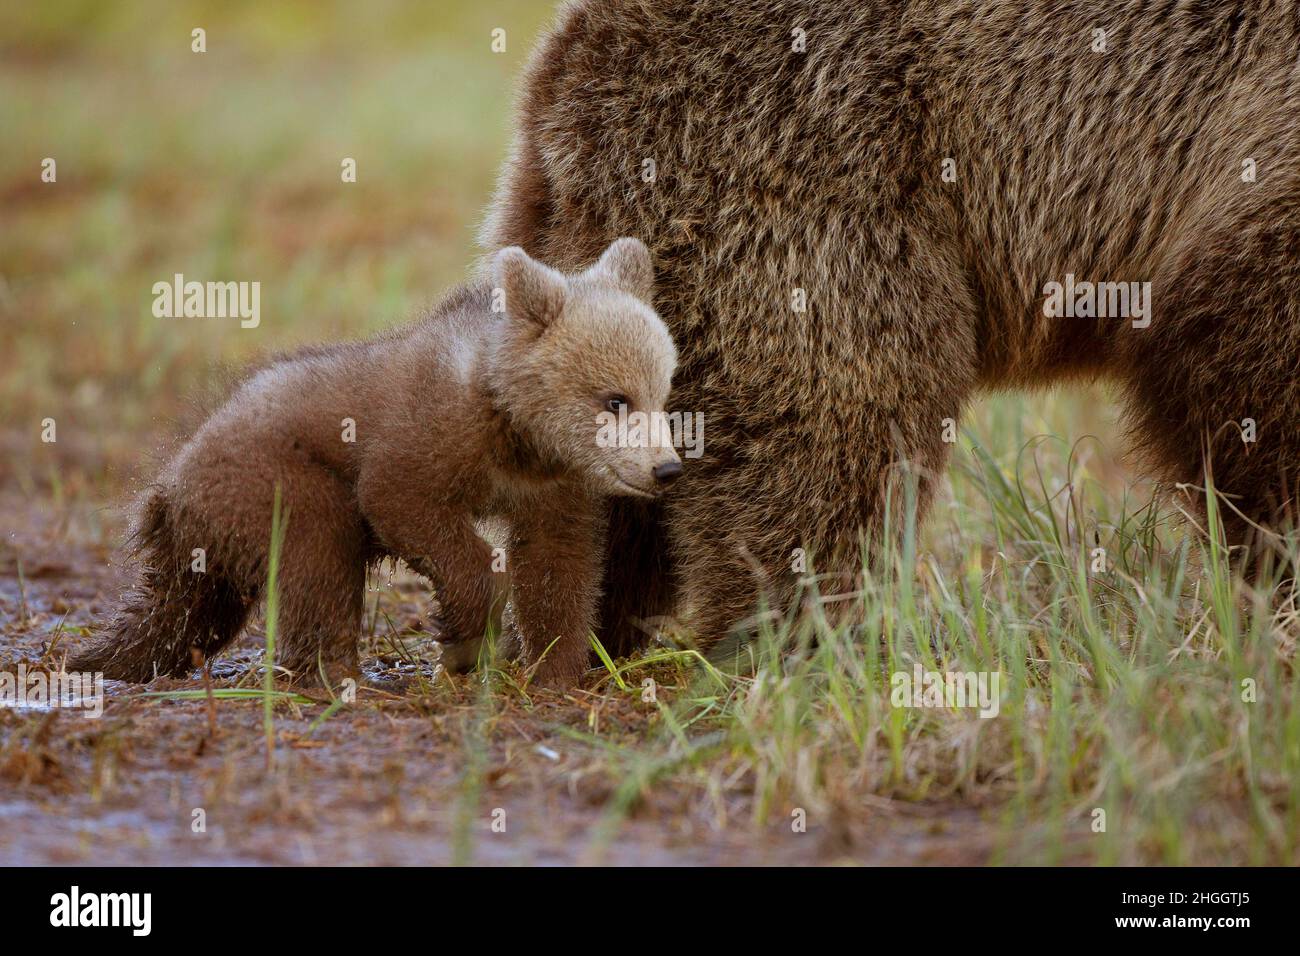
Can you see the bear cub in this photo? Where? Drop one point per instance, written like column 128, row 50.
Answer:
column 488, row 409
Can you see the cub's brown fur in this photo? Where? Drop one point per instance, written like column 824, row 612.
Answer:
column 465, row 416
column 821, row 170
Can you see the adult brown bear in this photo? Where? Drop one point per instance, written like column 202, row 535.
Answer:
column 917, row 173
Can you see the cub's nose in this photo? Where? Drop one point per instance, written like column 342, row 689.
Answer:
column 667, row 472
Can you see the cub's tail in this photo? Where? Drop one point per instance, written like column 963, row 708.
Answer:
column 170, row 609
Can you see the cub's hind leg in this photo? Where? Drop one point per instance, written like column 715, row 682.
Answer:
column 321, row 579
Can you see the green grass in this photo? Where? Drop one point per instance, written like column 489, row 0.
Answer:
column 228, row 693
column 1123, row 689
column 278, row 527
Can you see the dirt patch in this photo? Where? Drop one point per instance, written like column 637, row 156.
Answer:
column 422, row 776
column 146, row 786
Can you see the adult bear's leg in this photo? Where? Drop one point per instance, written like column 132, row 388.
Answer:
column 822, row 332
column 1216, row 372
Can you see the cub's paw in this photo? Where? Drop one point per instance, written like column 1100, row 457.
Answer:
column 459, row 657
column 557, row 675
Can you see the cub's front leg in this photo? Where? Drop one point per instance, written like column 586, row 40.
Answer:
column 556, row 558
column 441, row 544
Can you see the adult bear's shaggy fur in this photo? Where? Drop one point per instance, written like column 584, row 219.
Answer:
column 777, row 169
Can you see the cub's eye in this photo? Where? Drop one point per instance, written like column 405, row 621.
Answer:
column 616, row 402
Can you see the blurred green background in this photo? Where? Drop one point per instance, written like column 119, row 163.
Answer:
column 226, row 165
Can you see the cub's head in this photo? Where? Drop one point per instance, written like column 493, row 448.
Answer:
column 584, row 365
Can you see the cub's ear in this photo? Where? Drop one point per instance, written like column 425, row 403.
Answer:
column 534, row 292
column 628, row 264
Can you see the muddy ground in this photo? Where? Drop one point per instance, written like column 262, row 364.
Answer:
column 413, row 777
